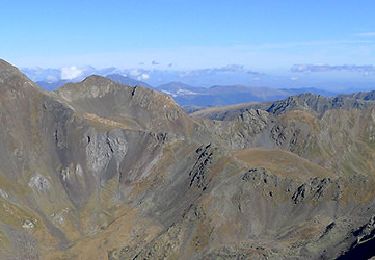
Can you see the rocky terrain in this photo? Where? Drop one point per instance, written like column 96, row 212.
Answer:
column 315, row 104
column 100, row 170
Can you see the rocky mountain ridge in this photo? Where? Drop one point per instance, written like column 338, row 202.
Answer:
column 308, row 102
column 100, row 170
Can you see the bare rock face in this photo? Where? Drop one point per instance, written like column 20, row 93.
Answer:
column 199, row 171
column 100, row 170
column 102, row 148
column 39, row 183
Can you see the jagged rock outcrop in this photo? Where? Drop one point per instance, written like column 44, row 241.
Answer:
column 303, row 102
column 198, row 173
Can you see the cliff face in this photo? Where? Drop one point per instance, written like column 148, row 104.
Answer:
column 99, row 170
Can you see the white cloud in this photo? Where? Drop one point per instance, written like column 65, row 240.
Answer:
column 70, row 73
column 143, row 76
column 139, row 75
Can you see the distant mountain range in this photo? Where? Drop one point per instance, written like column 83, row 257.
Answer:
column 218, row 95
column 214, row 87
column 52, row 85
column 192, row 96
column 338, row 79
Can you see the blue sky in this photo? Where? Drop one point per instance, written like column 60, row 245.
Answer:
column 262, row 35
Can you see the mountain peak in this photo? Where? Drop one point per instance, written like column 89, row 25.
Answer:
column 93, row 86
column 11, row 77
column 4, row 64
column 128, row 81
column 7, row 70
column 137, row 107
column 95, row 78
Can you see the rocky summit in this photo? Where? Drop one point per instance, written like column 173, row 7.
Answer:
column 100, row 170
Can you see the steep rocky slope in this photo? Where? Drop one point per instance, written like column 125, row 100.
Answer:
column 100, row 170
